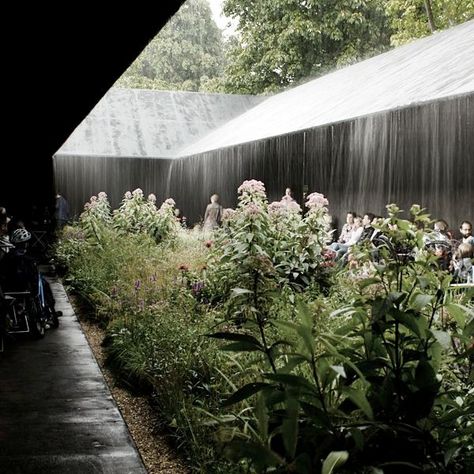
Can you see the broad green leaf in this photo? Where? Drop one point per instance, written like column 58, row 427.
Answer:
column 291, row 380
column 442, row 337
column 334, row 460
column 459, row 312
column 358, row 398
column 420, row 301
column 289, row 426
column 233, row 336
column 240, row 291
column 245, row 392
column 242, row 346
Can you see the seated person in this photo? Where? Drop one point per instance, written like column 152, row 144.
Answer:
column 461, row 265
column 347, row 228
column 5, row 244
column 19, row 271
column 368, row 229
column 466, row 233
column 342, row 249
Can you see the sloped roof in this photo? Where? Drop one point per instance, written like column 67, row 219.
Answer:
column 438, row 66
column 148, row 123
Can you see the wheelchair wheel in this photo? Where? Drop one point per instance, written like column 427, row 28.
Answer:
column 36, row 321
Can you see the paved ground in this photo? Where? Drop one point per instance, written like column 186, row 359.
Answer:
column 56, row 413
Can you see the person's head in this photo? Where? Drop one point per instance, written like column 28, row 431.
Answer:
column 465, row 251
column 368, row 218
column 350, row 217
column 441, row 226
column 215, row 198
column 358, row 221
column 466, row 229
column 20, row 237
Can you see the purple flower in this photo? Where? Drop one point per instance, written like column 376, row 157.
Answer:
column 138, row 284
column 197, row 287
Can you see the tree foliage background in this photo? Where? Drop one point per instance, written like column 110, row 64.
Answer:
column 187, row 54
column 279, row 43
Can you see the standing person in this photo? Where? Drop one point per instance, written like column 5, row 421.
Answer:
column 213, row 215
column 61, row 211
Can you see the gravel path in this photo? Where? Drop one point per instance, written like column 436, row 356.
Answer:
column 158, row 456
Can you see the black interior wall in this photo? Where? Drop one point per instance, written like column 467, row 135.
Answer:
column 58, row 60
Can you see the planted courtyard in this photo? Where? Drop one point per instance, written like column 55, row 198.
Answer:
column 261, row 353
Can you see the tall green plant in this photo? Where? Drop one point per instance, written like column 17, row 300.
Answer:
column 372, row 396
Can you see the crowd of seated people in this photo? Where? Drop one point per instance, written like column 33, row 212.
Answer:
column 18, row 269
column 453, row 255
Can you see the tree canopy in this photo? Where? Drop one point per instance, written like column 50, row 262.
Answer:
column 187, row 54
column 281, row 42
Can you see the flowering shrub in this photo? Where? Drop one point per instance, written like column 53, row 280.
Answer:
column 139, row 215
column 96, row 214
column 274, row 239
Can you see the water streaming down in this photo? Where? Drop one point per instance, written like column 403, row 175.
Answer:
column 398, row 127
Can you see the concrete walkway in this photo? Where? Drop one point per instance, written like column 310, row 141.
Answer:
column 56, row 412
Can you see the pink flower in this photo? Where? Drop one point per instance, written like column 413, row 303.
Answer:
column 170, row 202
column 93, row 198
column 152, row 198
column 87, row 206
column 128, row 195
column 102, row 195
column 251, row 187
column 252, row 209
column 137, row 193
column 316, row 201
column 228, row 214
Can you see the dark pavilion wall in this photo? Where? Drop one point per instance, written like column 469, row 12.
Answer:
column 420, row 154
column 80, row 177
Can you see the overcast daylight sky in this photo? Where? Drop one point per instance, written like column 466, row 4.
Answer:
column 222, row 21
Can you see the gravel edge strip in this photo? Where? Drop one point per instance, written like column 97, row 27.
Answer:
column 157, row 455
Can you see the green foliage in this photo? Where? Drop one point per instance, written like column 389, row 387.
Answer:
column 281, row 42
column 187, row 54
column 374, row 376
column 409, row 19
column 371, row 394
column 273, row 245
column 137, row 215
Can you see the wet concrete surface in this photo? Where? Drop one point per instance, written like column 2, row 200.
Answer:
column 56, row 412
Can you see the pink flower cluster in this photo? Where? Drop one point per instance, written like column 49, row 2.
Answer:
column 128, row 195
column 228, row 214
column 251, row 187
column 252, row 209
column 102, row 195
column 316, row 201
column 151, row 198
column 137, row 193
column 286, row 205
column 170, row 202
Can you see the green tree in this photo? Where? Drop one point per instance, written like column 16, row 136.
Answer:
column 411, row 19
column 187, row 54
column 282, row 41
